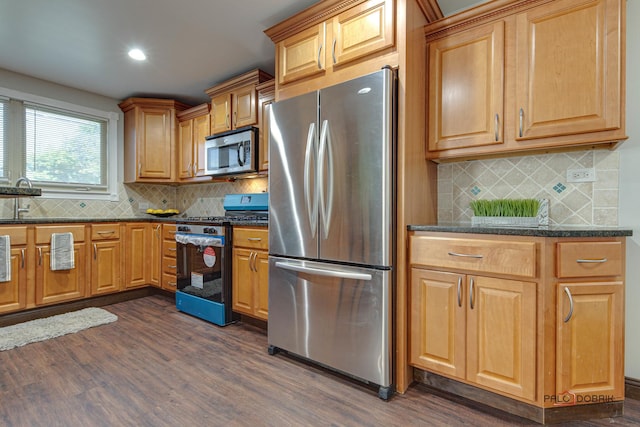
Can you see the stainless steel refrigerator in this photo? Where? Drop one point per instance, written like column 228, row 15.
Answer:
column 331, row 227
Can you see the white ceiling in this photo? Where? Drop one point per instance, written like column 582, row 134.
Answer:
column 191, row 45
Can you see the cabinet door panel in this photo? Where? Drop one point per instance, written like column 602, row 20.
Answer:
column 60, row 285
column 568, row 69
column 221, row 113
column 438, row 322
column 242, row 282
column 501, row 335
column 362, row 30
column 302, row 55
column 185, row 149
column 590, row 344
column 13, row 294
column 155, row 156
column 245, row 107
column 105, row 267
column 201, row 129
column 466, row 89
column 262, row 285
column 136, row 254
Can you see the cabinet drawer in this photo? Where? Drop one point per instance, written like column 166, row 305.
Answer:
column 169, row 265
column 169, row 231
column 17, row 235
column 587, row 259
column 43, row 233
column 169, row 248
column 105, row 231
column 253, row 238
column 516, row 258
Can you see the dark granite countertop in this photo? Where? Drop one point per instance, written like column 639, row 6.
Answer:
column 545, row 231
column 20, row 192
column 170, row 220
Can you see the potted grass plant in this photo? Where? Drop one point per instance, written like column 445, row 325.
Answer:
column 505, row 212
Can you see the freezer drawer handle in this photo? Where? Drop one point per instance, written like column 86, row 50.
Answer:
column 324, row 272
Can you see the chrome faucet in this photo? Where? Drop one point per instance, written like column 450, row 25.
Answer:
column 16, row 206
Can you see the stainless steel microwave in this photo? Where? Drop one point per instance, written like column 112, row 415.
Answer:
column 232, row 152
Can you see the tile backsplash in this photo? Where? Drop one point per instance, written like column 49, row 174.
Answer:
column 191, row 200
column 540, row 177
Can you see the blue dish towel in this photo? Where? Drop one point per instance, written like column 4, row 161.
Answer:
column 5, row 259
column 62, row 251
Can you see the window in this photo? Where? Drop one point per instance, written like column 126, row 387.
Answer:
column 67, row 150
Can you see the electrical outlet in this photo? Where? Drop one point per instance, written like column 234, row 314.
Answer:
column 143, row 206
column 581, row 175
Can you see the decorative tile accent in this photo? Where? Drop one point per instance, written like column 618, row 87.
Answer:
column 536, row 176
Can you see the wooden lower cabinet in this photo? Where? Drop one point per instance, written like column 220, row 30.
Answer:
column 169, row 262
column 106, row 258
column 13, row 293
column 60, row 285
column 539, row 331
column 590, row 357
column 143, row 245
column 250, row 271
column 476, row 328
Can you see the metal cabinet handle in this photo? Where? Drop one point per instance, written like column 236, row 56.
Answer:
column 172, row 284
column 139, row 169
column 235, row 118
column 568, row 292
column 464, row 255
column 95, row 251
column 497, row 124
column 189, row 169
column 254, row 239
column 172, row 249
column 40, row 256
column 226, row 121
column 173, row 267
column 333, row 51
column 471, row 294
column 253, row 262
column 591, row 261
column 107, row 232
column 22, row 258
column 319, row 63
column 459, row 291
column 194, row 169
column 521, row 121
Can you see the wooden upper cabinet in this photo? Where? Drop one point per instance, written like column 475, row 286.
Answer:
column 194, row 127
column 234, row 103
column 466, row 89
column 555, row 70
column 331, row 42
column 266, row 95
column 150, row 136
column 568, row 68
column 362, row 30
column 221, row 113
column 302, row 55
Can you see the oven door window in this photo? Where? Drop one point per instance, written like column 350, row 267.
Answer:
column 200, row 271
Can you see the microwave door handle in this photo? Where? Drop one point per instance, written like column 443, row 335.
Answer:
column 310, row 198
column 241, row 159
column 326, row 206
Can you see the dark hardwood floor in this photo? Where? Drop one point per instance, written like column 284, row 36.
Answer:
column 156, row 367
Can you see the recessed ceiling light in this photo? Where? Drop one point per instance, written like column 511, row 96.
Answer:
column 137, row 54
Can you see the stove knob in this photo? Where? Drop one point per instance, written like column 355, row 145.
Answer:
column 183, row 228
column 206, row 230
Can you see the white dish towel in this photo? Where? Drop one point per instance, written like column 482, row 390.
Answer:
column 62, row 251
column 5, row 259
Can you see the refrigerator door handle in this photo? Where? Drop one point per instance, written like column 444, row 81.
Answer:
column 329, row 272
column 326, row 206
column 311, row 199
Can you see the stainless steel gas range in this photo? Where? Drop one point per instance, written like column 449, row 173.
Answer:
column 204, row 257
